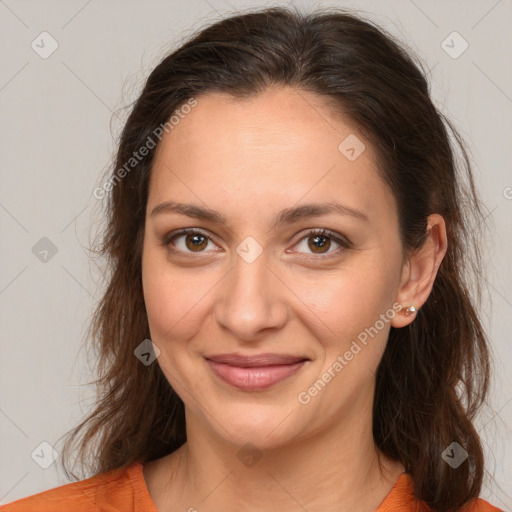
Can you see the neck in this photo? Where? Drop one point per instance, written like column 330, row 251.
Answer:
column 337, row 469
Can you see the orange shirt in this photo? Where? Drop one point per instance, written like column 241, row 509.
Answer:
column 124, row 490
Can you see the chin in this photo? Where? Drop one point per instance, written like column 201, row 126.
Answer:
column 266, row 427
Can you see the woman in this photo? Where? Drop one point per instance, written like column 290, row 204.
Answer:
column 287, row 324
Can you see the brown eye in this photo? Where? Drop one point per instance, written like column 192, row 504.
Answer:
column 196, row 242
column 319, row 244
column 188, row 241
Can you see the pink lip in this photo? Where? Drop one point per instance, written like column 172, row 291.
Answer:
column 254, row 372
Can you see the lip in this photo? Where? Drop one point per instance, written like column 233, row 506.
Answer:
column 252, row 373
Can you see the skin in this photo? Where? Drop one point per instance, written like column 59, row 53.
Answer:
column 249, row 160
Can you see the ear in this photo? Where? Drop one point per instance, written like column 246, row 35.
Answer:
column 420, row 270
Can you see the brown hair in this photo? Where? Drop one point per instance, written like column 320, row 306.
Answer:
column 434, row 373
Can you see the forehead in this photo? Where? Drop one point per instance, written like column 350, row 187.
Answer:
column 278, row 118
column 281, row 146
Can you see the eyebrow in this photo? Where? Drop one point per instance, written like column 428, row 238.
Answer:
column 286, row 216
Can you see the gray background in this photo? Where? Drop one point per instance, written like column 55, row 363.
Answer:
column 60, row 117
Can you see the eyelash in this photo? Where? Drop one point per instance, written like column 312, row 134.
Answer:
column 341, row 241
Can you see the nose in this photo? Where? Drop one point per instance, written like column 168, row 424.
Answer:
column 252, row 299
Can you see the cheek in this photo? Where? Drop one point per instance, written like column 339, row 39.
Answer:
column 169, row 305
column 356, row 313
column 175, row 298
column 355, row 306
column 348, row 300
column 164, row 296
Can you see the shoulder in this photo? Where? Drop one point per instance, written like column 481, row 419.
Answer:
column 120, row 488
column 402, row 498
column 480, row 505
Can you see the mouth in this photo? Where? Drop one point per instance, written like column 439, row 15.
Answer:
column 252, row 373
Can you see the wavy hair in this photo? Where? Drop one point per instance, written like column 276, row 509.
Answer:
column 434, row 374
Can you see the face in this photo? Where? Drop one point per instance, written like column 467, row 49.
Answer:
column 271, row 316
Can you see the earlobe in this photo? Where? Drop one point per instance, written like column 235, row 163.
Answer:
column 420, row 271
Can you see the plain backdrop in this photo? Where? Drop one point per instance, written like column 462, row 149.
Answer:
column 59, row 119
